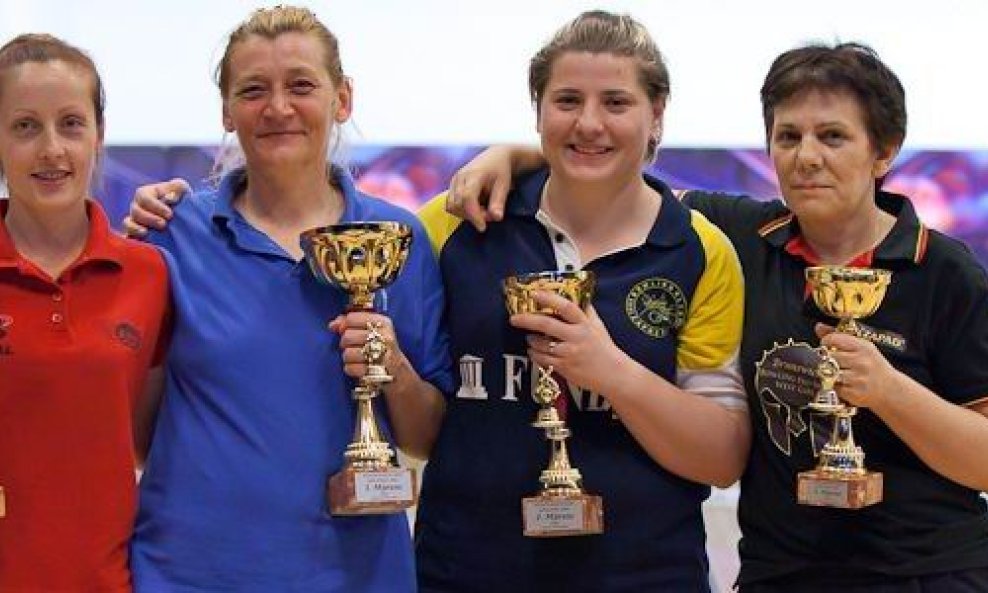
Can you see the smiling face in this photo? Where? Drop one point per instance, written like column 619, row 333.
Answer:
column 282, row 102
column 825, row 160
column 595, row 118
column 49, row 135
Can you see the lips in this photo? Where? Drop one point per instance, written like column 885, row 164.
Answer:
column 589, row 150
column 51, row 175
column 809, row 186
column 279, row 133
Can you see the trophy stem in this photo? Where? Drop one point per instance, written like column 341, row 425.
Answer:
column 361, row 299
column 546, row 392
column 847, row 325
column 841, row 455
column 560, row 478
column 368, row 449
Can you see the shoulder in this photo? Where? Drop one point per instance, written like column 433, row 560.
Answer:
column 139, row 254
column 439, row 224
column 374, row 208
column 190, row 217
column 717, row 204
column 952, row 259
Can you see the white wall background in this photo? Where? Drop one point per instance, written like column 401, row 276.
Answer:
column 454, row 71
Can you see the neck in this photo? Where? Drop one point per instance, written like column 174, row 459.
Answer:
column 602, row 218
column 287, row 200
column 282, row 207
column 840, row 243
column 49, row 240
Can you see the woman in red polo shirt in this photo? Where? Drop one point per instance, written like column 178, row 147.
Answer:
column 81, row 317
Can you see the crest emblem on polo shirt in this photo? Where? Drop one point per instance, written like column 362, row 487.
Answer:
column 128, row 335
column 656, row 306
column 6, row 322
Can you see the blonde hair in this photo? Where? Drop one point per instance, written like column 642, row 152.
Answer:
column 269, row 23
column 599, row 32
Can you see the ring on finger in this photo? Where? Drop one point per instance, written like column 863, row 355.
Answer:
column 552, row 346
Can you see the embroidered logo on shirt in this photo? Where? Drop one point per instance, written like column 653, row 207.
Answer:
column 471, row 378
column 656, row 306
column 6, row 322
column 882, row 337
column 128, row 335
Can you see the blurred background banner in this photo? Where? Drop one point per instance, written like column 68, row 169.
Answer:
column 948, row 188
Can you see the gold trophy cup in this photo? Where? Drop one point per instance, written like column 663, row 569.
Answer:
column 361, row 258
column 562, row 508
column 840, row 478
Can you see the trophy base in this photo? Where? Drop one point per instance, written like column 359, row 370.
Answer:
column 562, row 515
column 360, row 491
column 827, row 489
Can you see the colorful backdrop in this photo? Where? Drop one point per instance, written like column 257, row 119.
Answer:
column 950, row 189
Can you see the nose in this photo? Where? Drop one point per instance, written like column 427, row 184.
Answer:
column 280, row 104
column 589, row 121
column 808, row 155
column 52, row 146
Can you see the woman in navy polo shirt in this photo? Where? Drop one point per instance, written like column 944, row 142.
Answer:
column 835, row 119
column 257, row 412
column 652, row 391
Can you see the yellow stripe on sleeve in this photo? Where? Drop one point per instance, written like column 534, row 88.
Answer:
column 707, row 353
column 712, row 334
column 438, row 223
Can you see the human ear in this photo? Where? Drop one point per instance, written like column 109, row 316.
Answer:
column 227, row 120
column 344, row 101
column 884, row 160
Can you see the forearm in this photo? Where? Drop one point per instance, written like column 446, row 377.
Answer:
column 949, row 438
column 688, row 434
column 523, row 157
column 415, row 408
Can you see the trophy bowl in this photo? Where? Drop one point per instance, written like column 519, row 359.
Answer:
column 577, row 286
column 357, row 257
column 519, row 297
column 847, row 293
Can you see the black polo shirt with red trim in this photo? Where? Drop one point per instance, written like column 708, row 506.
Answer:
column 933, row 326
column 74, row 356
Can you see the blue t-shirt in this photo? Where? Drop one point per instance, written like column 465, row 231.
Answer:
column 257, row 412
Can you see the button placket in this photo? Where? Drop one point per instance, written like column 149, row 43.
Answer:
column 57, row 318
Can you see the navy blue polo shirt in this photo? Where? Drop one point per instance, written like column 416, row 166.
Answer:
column 932, row 326
column 488, row 457
column 257, row 412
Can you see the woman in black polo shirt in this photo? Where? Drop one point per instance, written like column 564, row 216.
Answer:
column 835, row 119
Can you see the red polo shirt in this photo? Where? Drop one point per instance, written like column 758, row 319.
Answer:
column 74, row 356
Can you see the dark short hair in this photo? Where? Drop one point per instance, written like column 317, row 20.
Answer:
column 850, row 67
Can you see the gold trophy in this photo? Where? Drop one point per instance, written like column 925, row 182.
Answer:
column 361, row 258
column 562, row 508
column 840, row 478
